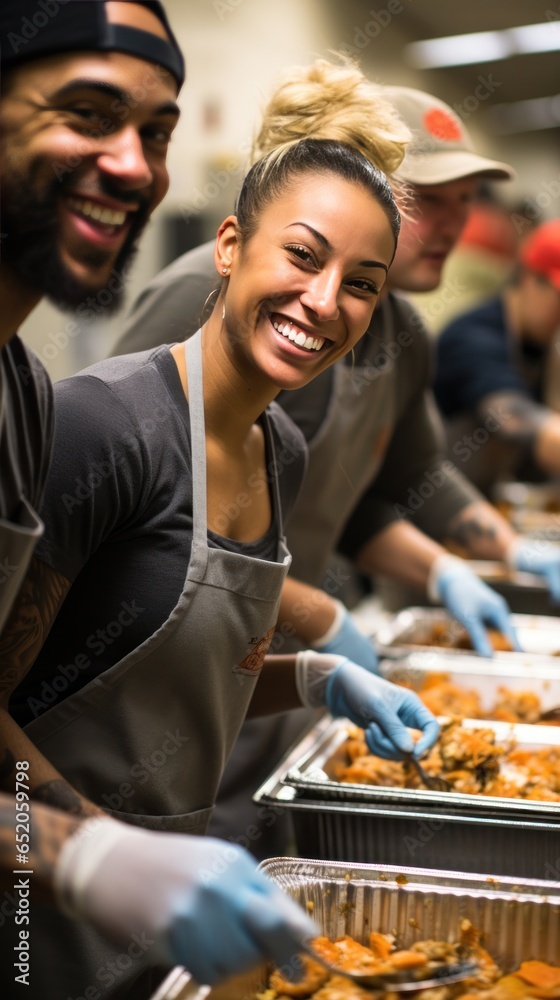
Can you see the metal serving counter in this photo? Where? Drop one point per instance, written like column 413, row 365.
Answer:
column 436, row 830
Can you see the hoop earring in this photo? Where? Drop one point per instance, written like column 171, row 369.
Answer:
column 215, row 291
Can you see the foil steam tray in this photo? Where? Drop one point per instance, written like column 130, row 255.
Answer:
column 436, row 830
column 519, row 919
column 539, row 636
column 314, row 773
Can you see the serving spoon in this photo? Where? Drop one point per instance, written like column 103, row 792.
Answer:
column 403, row 981
column 432, row 781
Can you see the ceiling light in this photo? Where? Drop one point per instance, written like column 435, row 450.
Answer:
column 525, row 116
column 483, row 46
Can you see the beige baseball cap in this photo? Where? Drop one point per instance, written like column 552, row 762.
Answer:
column 441, row 149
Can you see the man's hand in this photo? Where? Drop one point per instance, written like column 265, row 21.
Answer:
column 534, row 556
column 471, row 602
column 197, row 901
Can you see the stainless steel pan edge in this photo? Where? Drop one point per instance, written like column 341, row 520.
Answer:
column 331, row 735
column 396, row 635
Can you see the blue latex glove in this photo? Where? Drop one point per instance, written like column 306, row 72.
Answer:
column 540, row 557
column 194, row 901
column 474, row 605
column 348, row 641
column 383, row 709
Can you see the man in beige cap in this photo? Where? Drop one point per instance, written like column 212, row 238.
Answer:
column 494, row 358
column 379, row 488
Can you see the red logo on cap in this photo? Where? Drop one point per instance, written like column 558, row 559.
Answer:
column 442, row 125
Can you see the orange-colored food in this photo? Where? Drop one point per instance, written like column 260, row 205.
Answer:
column 380, row 944
column 533, row 979
column 539, row 974
column 471, row 762
column 451, row 636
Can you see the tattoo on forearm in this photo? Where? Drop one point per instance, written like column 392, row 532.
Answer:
column 59, row 794
column 471, row 530
column 37, row 604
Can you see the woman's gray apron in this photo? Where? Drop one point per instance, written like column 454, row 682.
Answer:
column 148, row 740
column 344, row 457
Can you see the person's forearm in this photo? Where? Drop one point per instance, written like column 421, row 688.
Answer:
column 46, row 784
column 479, row 532
column 48, row 831
column 304, row 611
column 547, row 445
column 276, row 689
column 401, row 552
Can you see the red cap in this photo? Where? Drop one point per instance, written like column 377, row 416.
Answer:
column 541, row 251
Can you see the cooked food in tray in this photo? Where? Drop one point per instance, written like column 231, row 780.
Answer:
column 454, row 637
column 444, row 697
column 383, row 955
column 469, row 759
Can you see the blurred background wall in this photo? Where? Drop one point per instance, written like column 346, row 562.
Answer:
column 507, row 95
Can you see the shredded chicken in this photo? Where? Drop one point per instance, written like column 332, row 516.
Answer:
column 471, row 762
column 532, row 978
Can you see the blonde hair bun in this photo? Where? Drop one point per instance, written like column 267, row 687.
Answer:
column 329, row 101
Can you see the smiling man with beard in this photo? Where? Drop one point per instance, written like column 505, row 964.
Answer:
column 82, row 166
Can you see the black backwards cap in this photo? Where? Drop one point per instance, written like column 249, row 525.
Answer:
column 32, row 29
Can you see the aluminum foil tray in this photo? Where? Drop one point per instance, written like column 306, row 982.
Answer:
column 313, row 774
column 410, row 629
column 519, row 918
column 437, row 830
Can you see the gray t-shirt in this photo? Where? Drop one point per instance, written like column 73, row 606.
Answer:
column 118, row 515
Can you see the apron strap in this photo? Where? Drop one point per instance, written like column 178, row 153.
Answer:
column 193, row 358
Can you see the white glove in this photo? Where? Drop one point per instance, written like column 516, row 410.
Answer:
column 192, row 901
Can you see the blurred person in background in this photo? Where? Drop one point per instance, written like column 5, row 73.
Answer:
column 375, row 444
column 491, row 370
column 82, row 168
column 479, row 265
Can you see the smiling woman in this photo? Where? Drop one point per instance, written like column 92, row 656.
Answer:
column 306, row 256
column 204, row 564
